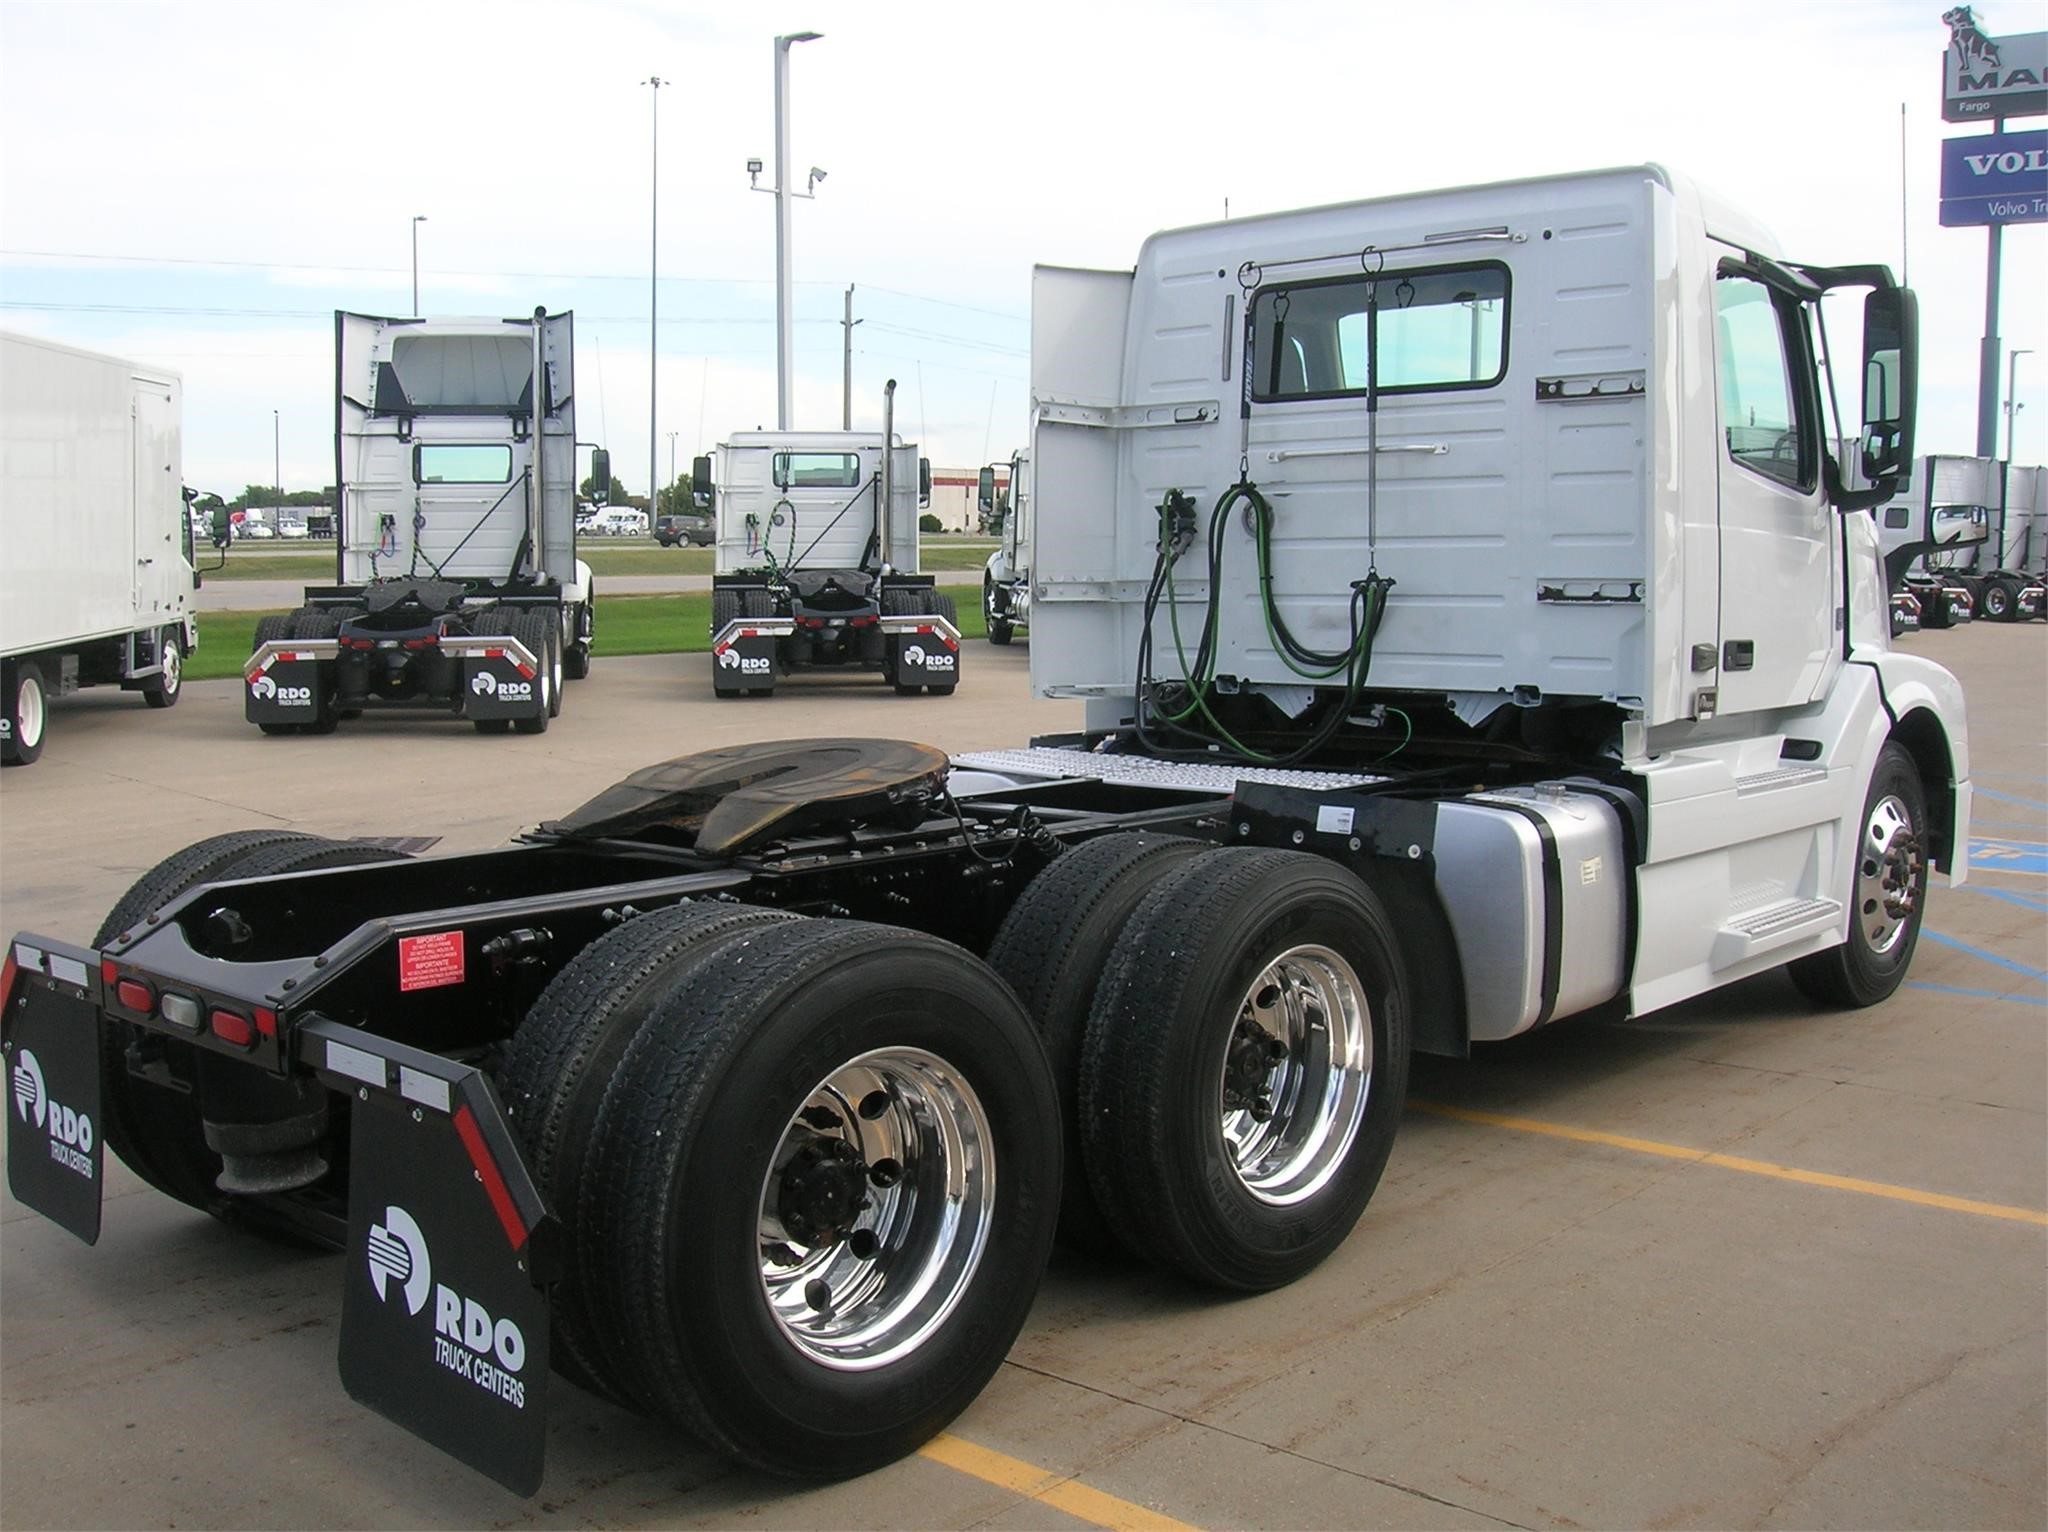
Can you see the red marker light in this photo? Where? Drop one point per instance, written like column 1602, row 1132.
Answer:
column 135, row 995
column 236, row 1031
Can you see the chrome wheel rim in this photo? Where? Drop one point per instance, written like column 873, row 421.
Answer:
column 1297, row 1073
column 876, row 1208
column 1890, row 867
column 173, row 663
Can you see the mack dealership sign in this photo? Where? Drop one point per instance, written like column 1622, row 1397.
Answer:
column 1994, row 178
column 1988, row 77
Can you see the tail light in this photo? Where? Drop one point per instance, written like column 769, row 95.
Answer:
column 232, row 1028
column 135, row 995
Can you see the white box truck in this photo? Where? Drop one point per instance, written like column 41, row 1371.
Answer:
column 817, row 560
column 96, row 571
column 1581, row 701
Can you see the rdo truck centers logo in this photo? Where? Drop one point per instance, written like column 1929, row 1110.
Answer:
column 467, row 1340
column 70, row 1132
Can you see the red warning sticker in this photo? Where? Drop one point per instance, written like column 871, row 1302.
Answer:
column 429, row 962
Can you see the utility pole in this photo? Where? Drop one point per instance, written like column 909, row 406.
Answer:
column 672, row 457
column 785, row 347
column 846, row 384
column 1988, row 348
column 653, row 267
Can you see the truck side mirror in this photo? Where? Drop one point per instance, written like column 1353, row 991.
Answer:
column 1958, row 526
column 1891, row 381
column 600, row 475
column 924, row 482
column 700, row 482
column 985, row 491
column 223, row 527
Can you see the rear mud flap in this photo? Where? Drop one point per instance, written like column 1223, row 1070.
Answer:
column 55, row 1163
column 500, row 678
column 927, row 654
column 444, row 1313
column 283, row 682
column 743, row 656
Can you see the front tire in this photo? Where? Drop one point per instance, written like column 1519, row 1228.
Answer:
column 995, row 614
column 1244, row 1066
column 1888, row 893
column 825, row 1180
column 164, row 688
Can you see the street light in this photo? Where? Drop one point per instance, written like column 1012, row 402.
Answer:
column 785, row 357
column 417, row 220
column 276, row 466
column 653, row 257
column 2012, row 403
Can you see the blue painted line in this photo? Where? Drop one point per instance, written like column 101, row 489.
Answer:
column 1977, row 994
column 1992, row 958
column 2004, row 854
column 1986, row 792
column 2024, row 901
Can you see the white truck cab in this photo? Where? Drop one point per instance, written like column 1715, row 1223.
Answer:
column 1533, row 472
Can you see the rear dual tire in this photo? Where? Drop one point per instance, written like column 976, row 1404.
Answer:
column 1229, row 1030
column 818, row 1187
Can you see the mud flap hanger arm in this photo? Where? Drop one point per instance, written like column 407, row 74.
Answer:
column 359, row 1063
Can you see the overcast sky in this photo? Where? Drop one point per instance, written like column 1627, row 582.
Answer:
column 200, row 184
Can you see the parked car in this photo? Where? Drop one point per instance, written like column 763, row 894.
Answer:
column 292, row 531
column 675, row 531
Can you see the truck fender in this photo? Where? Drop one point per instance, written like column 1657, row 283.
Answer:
column 1926, row 712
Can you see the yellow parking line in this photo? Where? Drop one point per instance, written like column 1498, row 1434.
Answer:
column 1733, row 1162
column 1047, row 1488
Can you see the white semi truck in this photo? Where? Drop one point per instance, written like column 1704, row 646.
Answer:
column 817, row 560
column 96, row 563
column 458, row 589
column 1475, row 633
column 1006, row 578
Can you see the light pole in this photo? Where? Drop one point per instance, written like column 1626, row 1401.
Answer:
column 653, row 256
column 672, row 456
column 417, row 220
column 2012, row 403
column 784, row 350
column 276, row 465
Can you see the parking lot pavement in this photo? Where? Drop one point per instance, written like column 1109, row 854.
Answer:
column 1738, row 1263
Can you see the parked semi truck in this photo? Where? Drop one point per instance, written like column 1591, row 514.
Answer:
column 1961, row 542
column 1006, row 579
column 96, row 567
column 1492, row 641
column 817, row 560
column 458, row 589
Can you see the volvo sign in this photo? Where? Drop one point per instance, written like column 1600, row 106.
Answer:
column 1994, row 178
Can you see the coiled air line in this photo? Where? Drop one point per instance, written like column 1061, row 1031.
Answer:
column 1189, row 715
